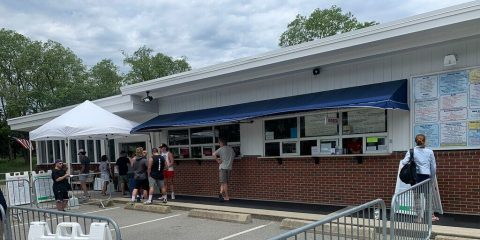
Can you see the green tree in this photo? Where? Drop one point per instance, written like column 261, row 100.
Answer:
column 321, row 23
column 105, row 79
column 145, row 65
column 13, row 74
column 36, row 76
column 59, row 79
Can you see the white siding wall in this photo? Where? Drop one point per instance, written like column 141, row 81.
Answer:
column 377, row 69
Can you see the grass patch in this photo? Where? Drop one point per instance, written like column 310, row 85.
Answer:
column 15, row 165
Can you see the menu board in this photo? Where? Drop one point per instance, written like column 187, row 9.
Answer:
column 446, row 108
column 323, row 124
column 364, row 121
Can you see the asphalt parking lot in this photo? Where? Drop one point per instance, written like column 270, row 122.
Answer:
column 178, row 225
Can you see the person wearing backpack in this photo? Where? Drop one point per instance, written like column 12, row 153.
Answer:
column 425, row 161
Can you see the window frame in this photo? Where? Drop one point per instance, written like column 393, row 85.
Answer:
column 214, row 145
column 337, row 138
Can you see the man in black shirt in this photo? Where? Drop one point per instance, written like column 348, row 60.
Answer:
column 122, row 165
column 60, row 185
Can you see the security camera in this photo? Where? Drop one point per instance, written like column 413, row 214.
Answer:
column 316, row 71
column 148, row 98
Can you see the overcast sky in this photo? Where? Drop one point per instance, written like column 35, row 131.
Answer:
column 205, row 31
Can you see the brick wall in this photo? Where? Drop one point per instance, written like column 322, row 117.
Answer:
column 333, row 181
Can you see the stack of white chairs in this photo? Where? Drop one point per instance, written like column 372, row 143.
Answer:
column 69, row 231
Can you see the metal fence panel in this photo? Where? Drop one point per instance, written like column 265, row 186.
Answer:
column 4, row 225
column 367, row 221
column 17, row 192
column 20, row 226
column 411, row 212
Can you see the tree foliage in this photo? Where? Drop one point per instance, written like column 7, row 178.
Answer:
column 145, row 65
column 321, row 23
column 105, row 79
column 38, row 76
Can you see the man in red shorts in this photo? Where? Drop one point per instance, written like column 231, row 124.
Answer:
column 169, row 174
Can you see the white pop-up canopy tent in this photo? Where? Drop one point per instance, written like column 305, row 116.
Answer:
column 85, row 121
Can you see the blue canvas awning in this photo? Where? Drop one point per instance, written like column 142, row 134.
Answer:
column 387, row 95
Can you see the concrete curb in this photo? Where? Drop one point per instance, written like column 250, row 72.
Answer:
column 148, row 208
column 221, row 216
column 289, row 223
column 442, row 237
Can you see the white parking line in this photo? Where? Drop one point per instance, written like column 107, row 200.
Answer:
column 106, row 209
column 246, row 231
column 158, row 219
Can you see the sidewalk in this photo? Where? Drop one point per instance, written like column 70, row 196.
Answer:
column 258, row 209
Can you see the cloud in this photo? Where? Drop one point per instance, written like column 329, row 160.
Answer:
column 206, row 32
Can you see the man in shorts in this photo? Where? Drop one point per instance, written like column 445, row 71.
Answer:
column 156, row 166
column 224, row 156
column 169, row 173
column 84, row 171
column 60, row 185
column 122, row 165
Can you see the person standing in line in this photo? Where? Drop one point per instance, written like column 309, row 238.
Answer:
column 130, row 174
column 122, row 166
column 425, row 161
column 224, row 156
column 105, row 173
column 156, row 166
column 84, row 171
column 170, row 172
column 140, row 173
column 60, row 185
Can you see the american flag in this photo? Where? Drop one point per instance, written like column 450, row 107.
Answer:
column 25, row 143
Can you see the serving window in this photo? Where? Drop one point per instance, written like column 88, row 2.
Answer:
column 357, row 131
column 201, row 142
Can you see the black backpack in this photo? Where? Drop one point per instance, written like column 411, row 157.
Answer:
column 408, row 173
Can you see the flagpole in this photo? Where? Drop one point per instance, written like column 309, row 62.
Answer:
column 31, row 159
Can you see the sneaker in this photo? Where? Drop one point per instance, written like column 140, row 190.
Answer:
column 161, row 198
column 173, row 195
column 148, row 202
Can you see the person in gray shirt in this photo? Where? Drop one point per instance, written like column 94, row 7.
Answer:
column 139, row 165
column 224, row 156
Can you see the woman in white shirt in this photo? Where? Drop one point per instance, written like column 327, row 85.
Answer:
column 104, row 173
column 425, row 161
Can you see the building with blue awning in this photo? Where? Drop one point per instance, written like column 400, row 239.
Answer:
column 323, row 122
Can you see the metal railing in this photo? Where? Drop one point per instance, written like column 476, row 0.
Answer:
column 19, row 227
column 367, row 221
column 17, row 192
column 411, row 212
column 42, row 192
column 4, row 225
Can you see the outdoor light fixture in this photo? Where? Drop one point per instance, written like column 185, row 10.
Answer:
column 148, row 98
column 449, row 60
